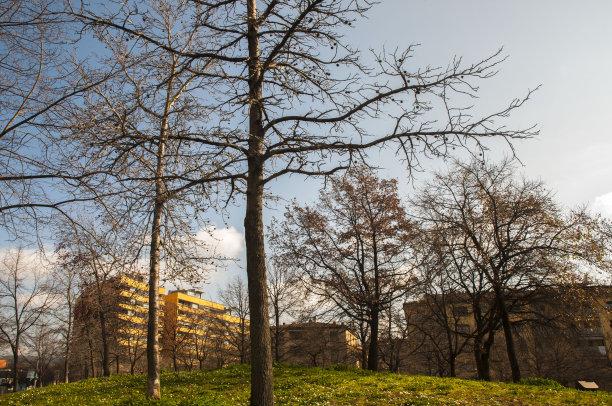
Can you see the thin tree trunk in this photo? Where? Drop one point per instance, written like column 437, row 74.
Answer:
column 153, row 385
column 510, row 347
column 105, row 352
column 374, row 320
column 91, row 354
column 373, row 348
column 482, row 352
column 364, row 350
column 68, row 342
column 262, row 380
column 16, row 364
column 276, row 334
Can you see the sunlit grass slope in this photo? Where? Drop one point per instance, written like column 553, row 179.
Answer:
column 306, row 386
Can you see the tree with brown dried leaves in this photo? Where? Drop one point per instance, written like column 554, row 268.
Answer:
column 352, row 248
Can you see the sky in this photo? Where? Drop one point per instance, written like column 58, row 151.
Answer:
column 562, row 46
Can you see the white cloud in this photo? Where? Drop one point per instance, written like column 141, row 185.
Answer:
column 30, row 259
column 603, row 205
column 222, row 242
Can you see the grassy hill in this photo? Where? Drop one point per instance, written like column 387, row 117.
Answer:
column 307, row 386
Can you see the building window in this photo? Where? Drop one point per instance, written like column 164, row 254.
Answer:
column 463, row 328
column 460, row 310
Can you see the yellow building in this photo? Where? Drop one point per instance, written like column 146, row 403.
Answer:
column 133, row 308
column 199, row 333
column 193, row 332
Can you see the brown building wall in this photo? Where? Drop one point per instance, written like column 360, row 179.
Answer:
column 316, row 344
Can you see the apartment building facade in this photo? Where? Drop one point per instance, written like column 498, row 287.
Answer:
column 555, row 337
column 194, row 333
column 199, row 333
column 315, row 344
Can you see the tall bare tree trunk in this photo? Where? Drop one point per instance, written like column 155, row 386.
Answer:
column 153, row 385
column 262, row 379
column 153, row 381
column 261, row 356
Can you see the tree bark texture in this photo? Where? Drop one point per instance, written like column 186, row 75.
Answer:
column 262, row 379
column 153, row 385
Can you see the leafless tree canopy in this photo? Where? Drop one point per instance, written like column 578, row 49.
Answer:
column 502, row 240
column 277, row 90
column 352, row 247
column 24, row 301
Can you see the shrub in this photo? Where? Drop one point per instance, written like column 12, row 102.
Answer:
column 533, row 381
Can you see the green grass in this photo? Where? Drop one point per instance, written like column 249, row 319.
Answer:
column 307, row 386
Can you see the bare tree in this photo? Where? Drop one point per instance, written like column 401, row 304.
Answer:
column 43, row 342
column 453, row 294
column 511, row 233
column 41, row 76
column 136, row 129
column 101, row 252
column 202, row 339
column 399, row 340
column 284, row 297
column 134, row 344
column 67, row 289
column 286, row 70
column 352, row 247
column 24, row 299
column 235, row 297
